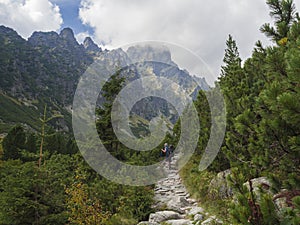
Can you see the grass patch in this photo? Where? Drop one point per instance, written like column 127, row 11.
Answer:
column 13, row 112
column 197, row 184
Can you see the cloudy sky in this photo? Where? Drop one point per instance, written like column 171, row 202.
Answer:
column 199, row 25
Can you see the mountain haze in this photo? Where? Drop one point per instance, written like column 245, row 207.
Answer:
column 45, row 69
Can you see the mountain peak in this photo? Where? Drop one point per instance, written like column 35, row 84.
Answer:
column 39, row 38
column 6, row 31
column 150, row 53
column 68, row 34
column 90, row 45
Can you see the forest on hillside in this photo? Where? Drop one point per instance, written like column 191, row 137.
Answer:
column 45, row 180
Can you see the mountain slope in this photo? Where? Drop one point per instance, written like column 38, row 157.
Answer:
column 45, row 70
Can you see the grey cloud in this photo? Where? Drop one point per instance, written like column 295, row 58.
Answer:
column 201, row 26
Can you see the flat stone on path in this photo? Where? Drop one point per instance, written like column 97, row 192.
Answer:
column 179, row 222
column 162, row 216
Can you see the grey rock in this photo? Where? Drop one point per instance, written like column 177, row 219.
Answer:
column 211, row 221
column 177, row 203
column 162, row 216
column 90, row 45
column 258, row 184
column 179, row 222
column 219, row 186
column 198, row 217
column 147, row 223
column 196, row 210
column 150, row 53
column 68, row 35
column 280, row 200
column 208, row 221
column 170, row 193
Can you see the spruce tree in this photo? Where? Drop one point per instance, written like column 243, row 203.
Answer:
column 104, row 126
column 13, row 143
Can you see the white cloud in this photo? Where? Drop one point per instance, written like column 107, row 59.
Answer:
column 81, row 36
column 202, row 26
column 26, row 16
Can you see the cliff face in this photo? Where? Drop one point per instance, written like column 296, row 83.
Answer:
column 45, row 69
column 47, row 65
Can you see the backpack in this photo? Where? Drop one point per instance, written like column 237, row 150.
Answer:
column 171, row 149
column 167, row 150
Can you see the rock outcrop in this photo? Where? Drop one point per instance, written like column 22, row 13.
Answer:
column 91, row 46
column 219, row 186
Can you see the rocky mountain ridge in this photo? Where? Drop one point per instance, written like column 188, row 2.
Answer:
column 46, row 68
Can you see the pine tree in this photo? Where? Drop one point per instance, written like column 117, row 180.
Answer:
column 283, row 11
column 269, row 124
column 13, row 143
column 104, row 126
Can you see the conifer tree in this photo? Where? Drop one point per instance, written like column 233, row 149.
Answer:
column 283, row 11
column 13, row 143
column 269, row 124
column 104, row 126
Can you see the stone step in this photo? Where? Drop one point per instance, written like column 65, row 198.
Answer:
column 179, row 222
column 162, row 216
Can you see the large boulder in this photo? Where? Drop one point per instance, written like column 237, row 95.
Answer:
column 195, row 210
column 259, row 184
column 162, row 216
column 219, row 186
column 284, row 199
column 178, row 203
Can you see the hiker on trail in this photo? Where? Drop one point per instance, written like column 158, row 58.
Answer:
column 166, row 151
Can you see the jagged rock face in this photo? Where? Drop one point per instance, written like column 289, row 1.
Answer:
column 49, row 65
column 90, row 45
column 46, row 68
column 49, row 39
column 114, row 58
column 10, row 35
column 67, row 34
column 146, row 61
column 150, row 53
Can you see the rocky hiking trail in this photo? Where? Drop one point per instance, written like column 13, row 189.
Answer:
column 173, row 204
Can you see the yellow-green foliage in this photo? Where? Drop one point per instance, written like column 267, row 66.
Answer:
column 82, row 209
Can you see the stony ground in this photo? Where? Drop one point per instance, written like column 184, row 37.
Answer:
column 174, row 205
